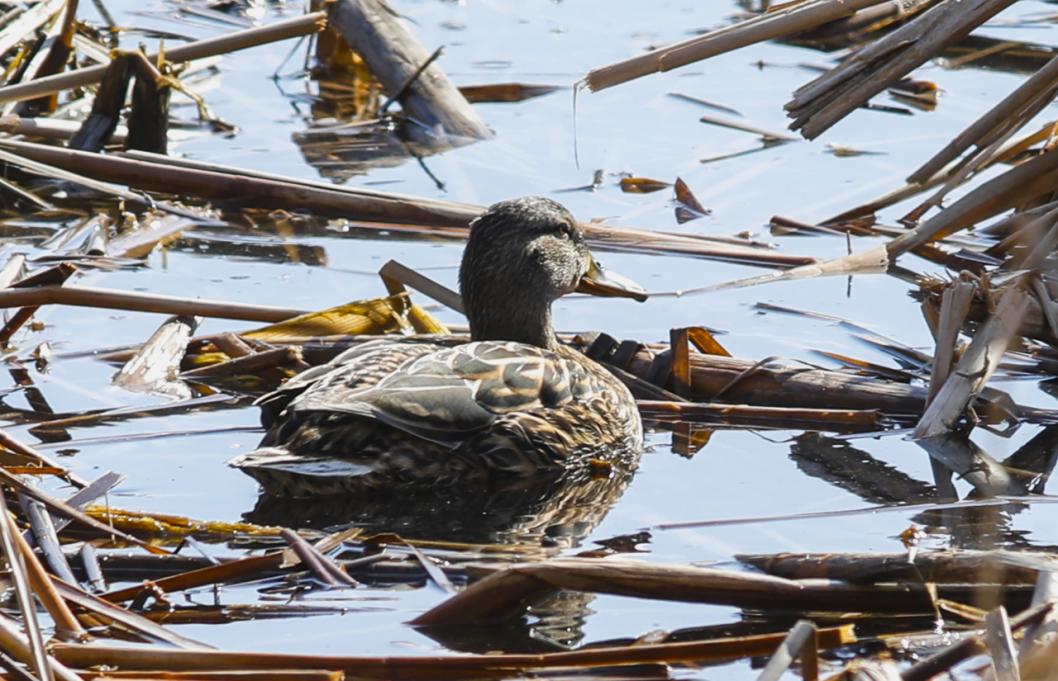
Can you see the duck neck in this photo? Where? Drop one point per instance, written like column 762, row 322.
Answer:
column 525, row 322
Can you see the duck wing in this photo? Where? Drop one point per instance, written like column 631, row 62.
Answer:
column 358, row 367
column 450, row 394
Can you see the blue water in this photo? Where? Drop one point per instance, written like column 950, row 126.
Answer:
column 634, row 128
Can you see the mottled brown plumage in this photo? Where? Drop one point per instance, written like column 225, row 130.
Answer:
column 511, row 403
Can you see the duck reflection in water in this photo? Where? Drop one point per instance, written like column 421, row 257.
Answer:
column 510, row 433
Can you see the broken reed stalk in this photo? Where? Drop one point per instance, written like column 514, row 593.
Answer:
column 49, row 128
column 289, row 356
column 321, row 566
column 1021, row 183
column 245, row 190
column 503, row 595
column 15, row 643
column 768, row 417
column 394, row 56
column 10, row 443
column 226, row 184
column 800, row 643
column 44, row 535
column 955, row 304
column 24, row 596
column 245, row 568
column 210, row 47
column 949, row 566
column 85, row 296
column 396, row 276
column 66, row 624
column 436, row 667
column 976, row 365
column 28, row 22
column 823, row 102
column 1031, row 95
column 1000, row 643
column 768, row 26
column 61, row 508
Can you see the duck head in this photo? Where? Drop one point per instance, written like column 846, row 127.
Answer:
column 521, row 256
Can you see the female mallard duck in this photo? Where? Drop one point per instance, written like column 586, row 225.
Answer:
column 512, row 402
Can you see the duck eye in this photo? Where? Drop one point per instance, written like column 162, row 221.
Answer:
column 568, row 229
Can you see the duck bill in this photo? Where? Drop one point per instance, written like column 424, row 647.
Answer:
column 599, row 282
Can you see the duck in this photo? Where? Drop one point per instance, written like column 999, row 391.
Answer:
column 513, row 402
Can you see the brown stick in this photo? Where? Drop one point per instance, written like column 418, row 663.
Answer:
column 776, row 417
column 391, row 211
column 503, row 594
column 437, row 667
column 173, row 179
column 955, row 304
column 84, row 296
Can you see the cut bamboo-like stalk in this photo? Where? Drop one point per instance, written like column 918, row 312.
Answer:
column 51, row 128
column 820, row 104
column 757, row 29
